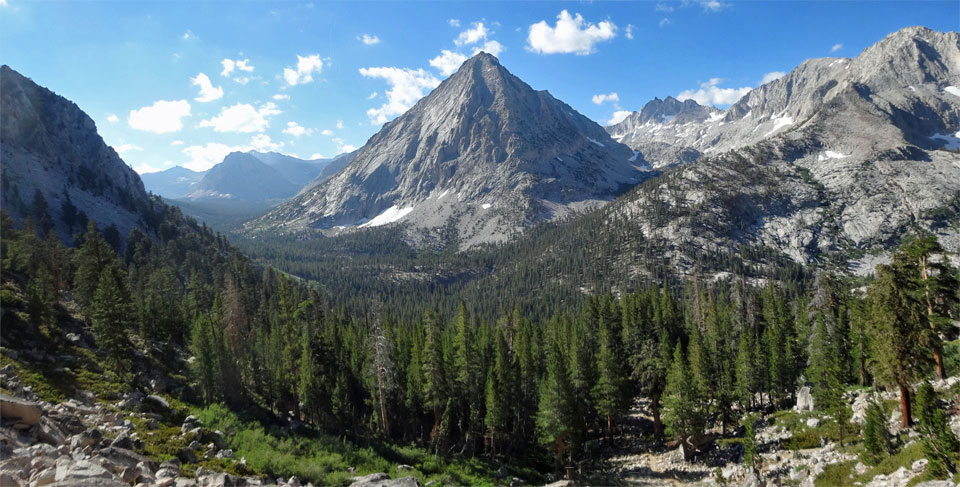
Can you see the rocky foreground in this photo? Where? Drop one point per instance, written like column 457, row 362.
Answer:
column 83, row 442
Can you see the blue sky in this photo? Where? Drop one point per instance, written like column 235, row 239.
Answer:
column 183, row 83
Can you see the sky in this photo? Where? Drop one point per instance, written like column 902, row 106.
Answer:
column 178, row 83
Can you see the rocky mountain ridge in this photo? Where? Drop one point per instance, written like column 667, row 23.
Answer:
column 50, row 147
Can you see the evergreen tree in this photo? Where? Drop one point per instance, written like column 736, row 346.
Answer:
column 435, row 390
column 92, row 257
column 750, row 455
column 111, row 318
column 940, row 445
column 684, row 413
column 877, row 441
column 610, row 392
column 899, row 332
column 556, row 415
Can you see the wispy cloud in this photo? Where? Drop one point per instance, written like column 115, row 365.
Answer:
column 711, row 94
column 605, row 98
column 836, row 47
column 368, row 39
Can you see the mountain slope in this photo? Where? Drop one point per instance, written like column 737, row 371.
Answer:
column 242, row 176
column 861, row 162
column 175, row 182
column 48, row 145
column 483, row 155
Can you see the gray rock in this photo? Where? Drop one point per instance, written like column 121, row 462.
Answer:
column 186, row 455
column 804, row 399
column 24, row 412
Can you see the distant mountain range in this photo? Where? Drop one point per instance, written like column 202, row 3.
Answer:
column 251, row 176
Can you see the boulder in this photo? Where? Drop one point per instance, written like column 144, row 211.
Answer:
column 49, row 433
column 186, row 455
column 80, row 471
column 158, row 401
column 804, row 399
column 25, row 412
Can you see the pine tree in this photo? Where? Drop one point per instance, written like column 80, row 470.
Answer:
column 935, row 280
column 468, row 382
column 498, row 393
column 206, row 363
column 877, row 441
column 435, row 390
column 684, row 413
column 111, row 318
column 899, row 332
column 940, row 445
column 556, row 415
column 750, row 455
column 610, row 392
column 94, row 255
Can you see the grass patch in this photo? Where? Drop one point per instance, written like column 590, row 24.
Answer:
column 326, row 460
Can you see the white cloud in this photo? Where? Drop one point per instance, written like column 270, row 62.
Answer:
column 618, row 116
column 281, row 96
column 836, row 47
column 230, row 65
column 772, row 76
column 262, row 143
column 490, row 47
column 176, row 142
column 145, row 168
column 372, row 95
column 713, row 5
column 603, row 98
column 203, row 157
column 243, row 118
column 628, row 33
column 161, row 117
column 112, row 118
column 294, row 129
column 326, row 132
column 448, row 62
column 189, row 35
column 664, row 7
column 317, row 155
column 207, row 91
column 3, row 3
column 472, row 35
column 368, row 39
column 454, row 22
column 664, row 21
column 306, row 67
column 406, row 87
column 126, row 148
column 339, row 124
column 343, row 147
column 710, row 94
column 572, row 34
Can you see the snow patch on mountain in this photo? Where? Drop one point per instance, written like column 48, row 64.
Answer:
column 390, row 215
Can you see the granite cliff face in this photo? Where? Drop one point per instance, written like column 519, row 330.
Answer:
column 481, row 158
column 48, row 144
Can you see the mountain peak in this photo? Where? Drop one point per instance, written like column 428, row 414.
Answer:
column 483, row 153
